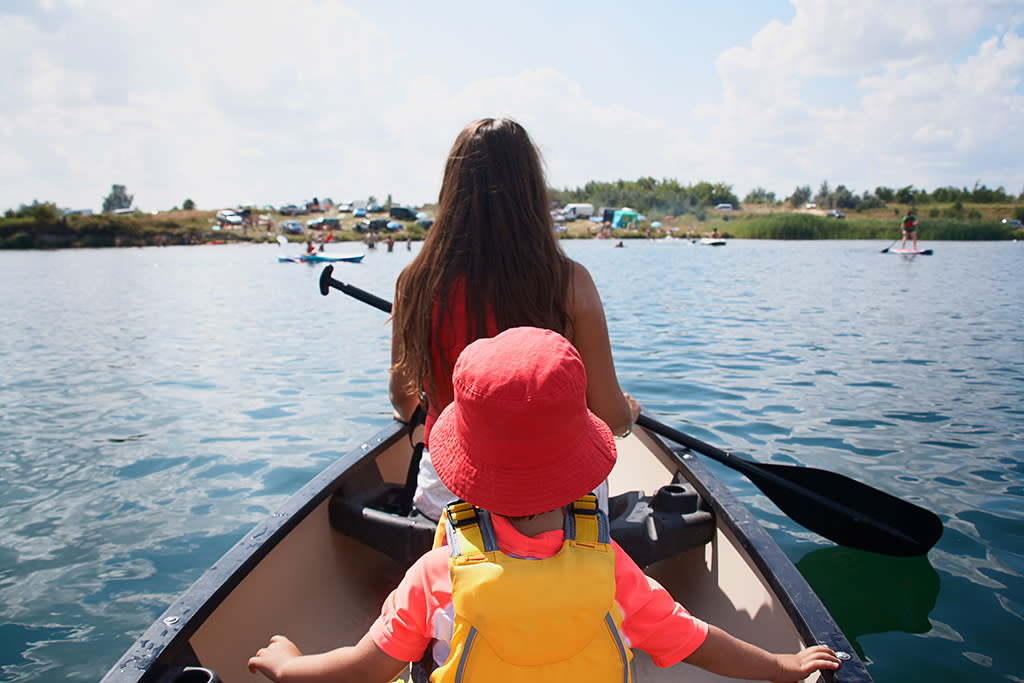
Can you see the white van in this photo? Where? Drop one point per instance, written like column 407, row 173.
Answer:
column 572, row 211
column 724, row 207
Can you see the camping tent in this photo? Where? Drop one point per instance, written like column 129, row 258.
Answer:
column 625, row 218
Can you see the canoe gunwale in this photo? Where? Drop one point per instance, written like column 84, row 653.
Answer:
column 809, row 616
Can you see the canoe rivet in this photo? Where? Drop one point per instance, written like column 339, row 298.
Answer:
column 171, row 621
column 843, row 656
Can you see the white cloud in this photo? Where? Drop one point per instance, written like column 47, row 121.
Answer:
column 907, row 99
column 224, row 102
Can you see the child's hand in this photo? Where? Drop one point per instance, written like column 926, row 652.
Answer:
column 804, row 663
column 270, row 660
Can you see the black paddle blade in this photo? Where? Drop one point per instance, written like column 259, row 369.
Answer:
column 325, row 279
column 847, row 511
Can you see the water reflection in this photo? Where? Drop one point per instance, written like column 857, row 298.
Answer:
column 871, row 593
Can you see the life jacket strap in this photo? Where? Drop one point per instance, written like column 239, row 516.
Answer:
column 469, row 530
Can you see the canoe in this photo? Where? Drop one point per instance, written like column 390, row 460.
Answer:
column 319, row 568
column 712, row 242
column 320, row 258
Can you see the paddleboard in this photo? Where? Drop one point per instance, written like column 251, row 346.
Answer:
column 712, row 242
column 912, row 252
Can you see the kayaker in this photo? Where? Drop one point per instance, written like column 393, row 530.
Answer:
column 490, row 262
column 484, row 603
column 909, row 225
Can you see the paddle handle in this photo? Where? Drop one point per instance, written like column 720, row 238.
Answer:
column 326, row 282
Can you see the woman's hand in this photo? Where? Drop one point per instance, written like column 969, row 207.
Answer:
column 634, row 407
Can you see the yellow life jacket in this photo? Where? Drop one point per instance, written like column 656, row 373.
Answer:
column 552, row 619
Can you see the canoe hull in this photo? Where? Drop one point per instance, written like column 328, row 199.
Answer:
column 296, row 574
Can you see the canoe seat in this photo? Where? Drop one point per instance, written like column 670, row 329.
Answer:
column 654, row 528
column 649, row 528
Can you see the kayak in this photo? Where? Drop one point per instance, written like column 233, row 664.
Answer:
column 319, row 568
column 712, row 242
column 912, row 252
column 320, row 258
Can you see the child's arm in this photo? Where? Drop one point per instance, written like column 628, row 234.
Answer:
column 282, row 662
column 728, row 656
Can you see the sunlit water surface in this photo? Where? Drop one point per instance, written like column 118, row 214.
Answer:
column 156, row 403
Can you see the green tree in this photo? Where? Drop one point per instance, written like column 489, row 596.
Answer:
column 905, row 195
column 759, row 195
column 41, row 212
column 801, row 195
column 886, row 194
column 870, row 201
column 824, row 197
column 117, row 199
column 844, row 199
column 188, row 205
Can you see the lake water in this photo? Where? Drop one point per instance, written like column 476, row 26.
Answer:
column 156, row 403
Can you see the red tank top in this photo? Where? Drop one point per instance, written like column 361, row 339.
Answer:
column 452, row 342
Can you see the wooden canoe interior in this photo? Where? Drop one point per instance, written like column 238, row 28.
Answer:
column 716, row 582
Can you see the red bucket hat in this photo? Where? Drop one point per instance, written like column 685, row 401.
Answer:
column 518, row 438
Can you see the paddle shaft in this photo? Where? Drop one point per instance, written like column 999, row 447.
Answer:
column 841, row 509
column 327, row 281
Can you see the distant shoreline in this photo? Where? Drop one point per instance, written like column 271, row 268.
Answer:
column 750, row 222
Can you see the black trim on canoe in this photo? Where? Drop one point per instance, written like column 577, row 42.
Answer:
column 808, row 614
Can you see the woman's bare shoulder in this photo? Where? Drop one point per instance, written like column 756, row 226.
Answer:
column 584, row 291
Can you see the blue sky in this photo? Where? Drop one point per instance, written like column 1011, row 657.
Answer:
column 228, row 102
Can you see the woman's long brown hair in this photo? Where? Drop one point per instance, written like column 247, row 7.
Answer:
column 494, row 229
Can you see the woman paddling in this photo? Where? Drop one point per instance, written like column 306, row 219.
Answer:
column 491, row 262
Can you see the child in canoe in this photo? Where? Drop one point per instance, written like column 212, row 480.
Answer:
column 529, row 586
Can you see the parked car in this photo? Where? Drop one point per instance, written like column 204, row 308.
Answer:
column 425, row 223
column 1012, row 222
column 359, row 212
column 371, row 225
column 724, row 206
column 229, row 216
column 402, row 213
column 292, row 228
column 345, row 207
column 810, row 205
column 324, row 223
column 375, row 208
column 835, row 213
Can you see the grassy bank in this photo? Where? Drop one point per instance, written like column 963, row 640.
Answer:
column 809, row 227
column 165, row 228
